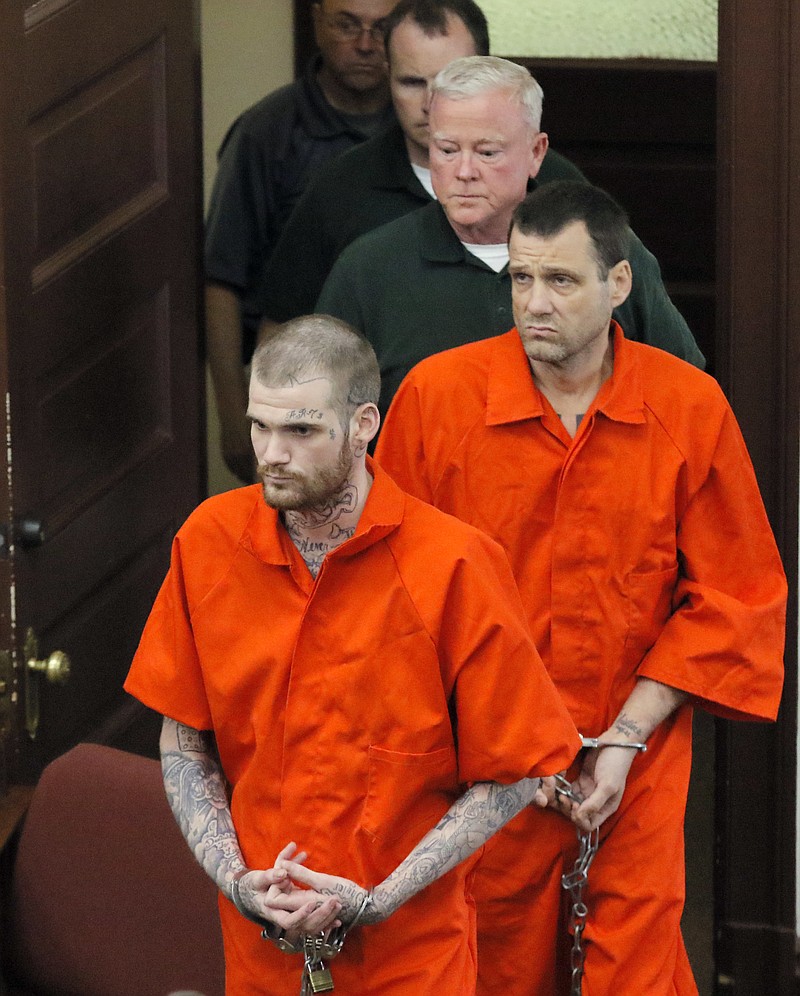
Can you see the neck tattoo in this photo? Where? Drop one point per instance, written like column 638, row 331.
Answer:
column 319, row 530
column 571, row 422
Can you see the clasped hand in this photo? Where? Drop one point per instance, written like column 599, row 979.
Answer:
column 301, row 901
column 600, row 785
column 273, row 896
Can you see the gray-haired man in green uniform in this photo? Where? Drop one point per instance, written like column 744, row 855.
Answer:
column 438, row 277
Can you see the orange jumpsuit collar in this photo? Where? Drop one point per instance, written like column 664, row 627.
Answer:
column 265, row 535
column 511, row 397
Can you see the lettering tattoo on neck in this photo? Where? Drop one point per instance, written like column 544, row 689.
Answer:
column 316, row 531
column 313, row 552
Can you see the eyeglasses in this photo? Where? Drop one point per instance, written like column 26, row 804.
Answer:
column 349, row 28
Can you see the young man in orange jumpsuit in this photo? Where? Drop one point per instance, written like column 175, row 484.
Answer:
column 616, row 479
column 336, row 663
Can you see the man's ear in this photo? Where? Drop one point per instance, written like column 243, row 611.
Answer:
column 620, row 280
column 364, row 426
column 538, row 152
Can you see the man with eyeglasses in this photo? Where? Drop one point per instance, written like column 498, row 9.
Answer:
column 388, row 175
column 265, row 162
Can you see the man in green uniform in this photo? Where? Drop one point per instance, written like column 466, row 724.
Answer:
column 438, row 277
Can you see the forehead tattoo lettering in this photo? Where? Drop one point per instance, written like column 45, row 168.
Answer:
column 305, row 413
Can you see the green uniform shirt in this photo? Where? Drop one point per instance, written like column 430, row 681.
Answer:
column 359, row 191
column 413, row 289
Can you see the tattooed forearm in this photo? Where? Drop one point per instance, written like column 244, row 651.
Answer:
column 627, row 727
column 468, row 824
column 649, row 704
column 198, row 797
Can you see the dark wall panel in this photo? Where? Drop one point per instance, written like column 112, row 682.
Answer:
column 645, row 132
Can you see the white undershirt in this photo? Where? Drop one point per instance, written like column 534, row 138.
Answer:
column 495, row 256
column 423, row 174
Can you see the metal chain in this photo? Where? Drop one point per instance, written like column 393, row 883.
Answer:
column 575, row 882
column 316, row 948
column 316, row 977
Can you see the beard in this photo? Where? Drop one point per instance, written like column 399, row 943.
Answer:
column 307, row 492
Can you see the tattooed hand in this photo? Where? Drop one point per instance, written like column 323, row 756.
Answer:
column 271, row 895
column 349, row 894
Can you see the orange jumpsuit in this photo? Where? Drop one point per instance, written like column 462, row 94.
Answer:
column 351, row 711
column 641, row 548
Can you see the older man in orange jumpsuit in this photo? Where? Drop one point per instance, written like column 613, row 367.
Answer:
column 616, row 479
column 348, row 660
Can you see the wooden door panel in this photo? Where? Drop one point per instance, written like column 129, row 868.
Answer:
column 100, row 642
column 100, row 197
column 100, row 412
column 98, row 159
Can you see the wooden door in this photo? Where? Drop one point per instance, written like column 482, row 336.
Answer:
column 100, row 356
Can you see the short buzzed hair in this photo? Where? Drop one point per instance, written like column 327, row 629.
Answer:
column 321, row 345
column 474, row 75
column 548, row 209
column 431, row 16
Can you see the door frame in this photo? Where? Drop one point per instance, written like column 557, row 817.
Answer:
column 758, row 363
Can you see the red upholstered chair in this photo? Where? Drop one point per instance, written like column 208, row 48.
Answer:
column 106, row 898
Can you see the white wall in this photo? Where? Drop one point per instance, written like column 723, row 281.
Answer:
column 247, row 50
column 604, row 29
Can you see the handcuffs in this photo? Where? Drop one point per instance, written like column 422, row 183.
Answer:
column 563, row 787
column 329, row 947
column 574, row 882
column 594, row 742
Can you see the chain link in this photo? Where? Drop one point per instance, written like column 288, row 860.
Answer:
column 574, row 883
column 315, row 948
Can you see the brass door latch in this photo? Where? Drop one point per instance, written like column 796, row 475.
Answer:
column 54, row 668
